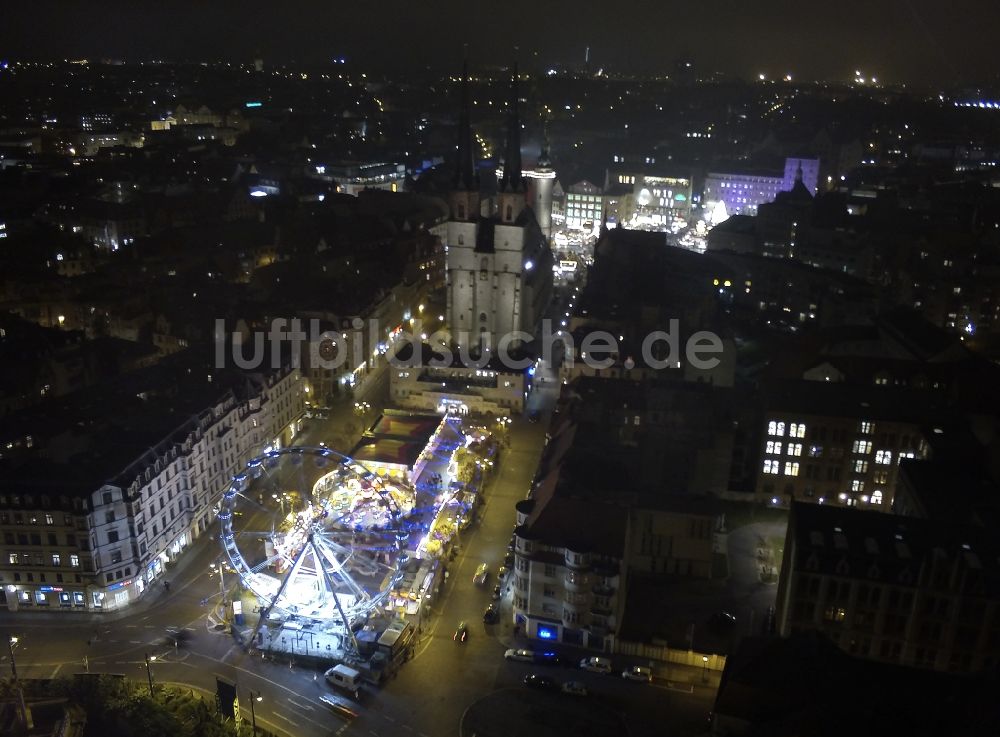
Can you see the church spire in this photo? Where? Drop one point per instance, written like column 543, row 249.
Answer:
column 512, row 179
column 465, row 178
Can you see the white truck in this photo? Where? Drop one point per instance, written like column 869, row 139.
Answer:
column 344, row 677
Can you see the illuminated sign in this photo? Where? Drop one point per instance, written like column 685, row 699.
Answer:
column 547, row 633
column 255, row 104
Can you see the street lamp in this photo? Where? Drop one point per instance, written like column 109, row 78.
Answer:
column 253, row 716
column 704, row 671
column 24, row 716
column 149, row 672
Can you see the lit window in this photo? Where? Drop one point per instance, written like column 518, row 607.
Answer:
column 74, row 560
column 857, row 486
column 792, row 469
column 860, row 466
column 774, row 447
column 13, row 559
column 876, row 497
column 772, row 466
column 56, row 560
column 795, row 449
column 775, row 428
column 866, row 428
column 815, row 451
column 862, row 447
column 883, row 456
column 797, row 430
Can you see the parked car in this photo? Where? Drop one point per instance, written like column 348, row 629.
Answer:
column 481, row 574
column 497, row 591
column 596, row 664
column 520, row 655
column 548, row 658
column 492, row 614
column 533, row 680
column 461, row 632
column 502, row 571
column 638, row 673
column 574, row 688
column 508, row 560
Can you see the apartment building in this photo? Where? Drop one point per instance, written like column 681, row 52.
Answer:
column 914, row 592
column 90, row 524
column 569, row 568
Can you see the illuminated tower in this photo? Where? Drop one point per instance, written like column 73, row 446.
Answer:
column 543, row 177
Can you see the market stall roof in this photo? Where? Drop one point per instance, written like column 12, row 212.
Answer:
column 377, row 449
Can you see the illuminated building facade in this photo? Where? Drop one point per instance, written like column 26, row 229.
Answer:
column 743, row 191
column 584, row 206
column 834, row 444
column 657, row 199
column 70, row 547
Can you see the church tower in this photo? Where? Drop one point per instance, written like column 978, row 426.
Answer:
column 499, row 266
column 543, row 178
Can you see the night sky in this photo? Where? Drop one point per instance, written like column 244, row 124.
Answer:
column 912, row 41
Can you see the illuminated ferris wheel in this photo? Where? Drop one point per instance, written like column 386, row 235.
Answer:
column 315, row 535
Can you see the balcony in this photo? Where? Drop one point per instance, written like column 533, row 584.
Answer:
column 577, row 602
column 576, row 560
column 577, row 582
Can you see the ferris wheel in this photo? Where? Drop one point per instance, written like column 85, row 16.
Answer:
column 315, row 535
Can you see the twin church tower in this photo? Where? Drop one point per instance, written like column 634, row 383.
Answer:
column 497, row 255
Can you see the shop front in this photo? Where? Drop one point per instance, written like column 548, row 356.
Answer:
column 44, row 598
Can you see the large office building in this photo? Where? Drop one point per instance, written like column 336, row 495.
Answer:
column 498, row 261
column 836, row 444
column 742, row 191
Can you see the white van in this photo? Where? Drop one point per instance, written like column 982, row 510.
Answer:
column 344, row 677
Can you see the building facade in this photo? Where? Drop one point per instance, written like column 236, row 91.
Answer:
column 833, row 449
column 458, row 389
column 569, row 591
column 893, row 589
column 743, row 192
column 102, row 550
